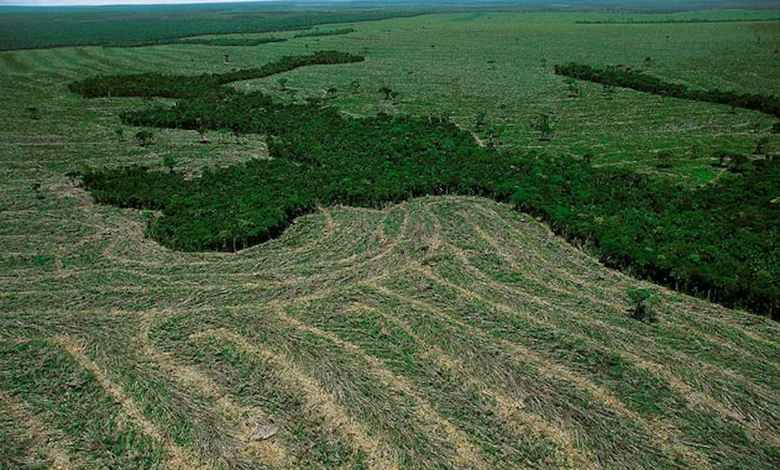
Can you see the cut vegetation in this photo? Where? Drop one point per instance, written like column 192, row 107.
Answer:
column 395, row 253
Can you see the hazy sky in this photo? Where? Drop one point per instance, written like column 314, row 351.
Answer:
column 108, row 2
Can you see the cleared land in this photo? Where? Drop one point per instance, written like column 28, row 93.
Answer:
column 443, row 331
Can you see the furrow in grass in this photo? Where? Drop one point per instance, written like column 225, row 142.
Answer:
column 178, row 458
column 336, row 416
column 715, row 317
column 70, row 400
column 641, row 391
column 388, row 416
column 268, row 451
column 32, row 448
column 511, row 369
column 428, row 364
column 635, row 351
column 729, row 335
column 467, row 455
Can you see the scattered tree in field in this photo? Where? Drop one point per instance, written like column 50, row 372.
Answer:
column 608, row 91
column 776, row 128
column 480, row 121
column 574, row 89
column 34, row 112
column 588, row 158
column 169, row 162
column 544, row 127
column 120, row 134
column 761, row 146
column 387, row 91
column 664, row 159
column 642, row 302
column 282, row 82
column 493, row 138
column 355, row 85
column 36, row 187
column 144, row 138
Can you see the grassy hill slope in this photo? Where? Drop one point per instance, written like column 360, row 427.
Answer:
column 442, row 331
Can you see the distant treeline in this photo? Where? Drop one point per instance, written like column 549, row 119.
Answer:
column 233, row 41
column 148, row 26
column 176, row 86
column 680, row 21
column 316, row 33
column 637, row 80
column 718, row 241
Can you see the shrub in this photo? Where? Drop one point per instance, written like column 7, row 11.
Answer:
column 144, row 138
column 641, row 301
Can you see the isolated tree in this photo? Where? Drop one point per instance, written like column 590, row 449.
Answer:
column 641, row 304
column 574, row 89
column 761, row 146
column 588, row 158
column 169, row 162
column 355, row 85
column 144, row 138
column 544, row 127
column 480, row 120
column 120, row 134
column 34, row 112
column 608, row 90
column 664, row 159
column 387, row 91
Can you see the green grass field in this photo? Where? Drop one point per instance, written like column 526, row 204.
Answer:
column 441, row 332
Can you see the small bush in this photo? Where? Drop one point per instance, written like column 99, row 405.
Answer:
column 144, row 138
column 641, row 301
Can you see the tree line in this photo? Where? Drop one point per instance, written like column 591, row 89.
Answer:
column 627, row 77
column 155, row 84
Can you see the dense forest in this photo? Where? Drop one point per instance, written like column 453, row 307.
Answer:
column 156, row 25
column 719, row 240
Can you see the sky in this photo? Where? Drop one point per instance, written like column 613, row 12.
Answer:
column 109, row 2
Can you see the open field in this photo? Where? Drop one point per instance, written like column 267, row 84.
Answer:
column 439, row 332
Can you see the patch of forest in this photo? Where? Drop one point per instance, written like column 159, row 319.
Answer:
column 719, row 241
column 232, row 42
column 627, row 77
column 316, row 33
column 680, row 21
column 154, row 84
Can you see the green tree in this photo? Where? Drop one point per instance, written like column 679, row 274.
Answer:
column 642, row 302
column 144, row 138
